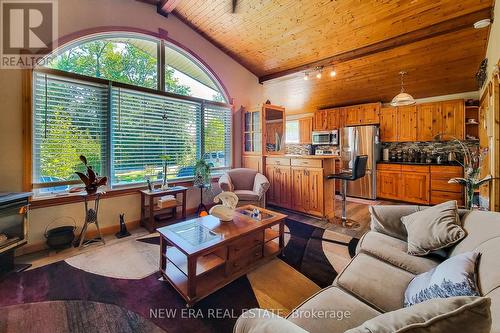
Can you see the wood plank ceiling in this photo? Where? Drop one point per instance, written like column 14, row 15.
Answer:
column 365, row 39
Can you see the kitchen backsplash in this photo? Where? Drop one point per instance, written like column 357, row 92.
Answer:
column 433, row 149
column 296, row 149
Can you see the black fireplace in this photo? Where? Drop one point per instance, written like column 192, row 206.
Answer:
column 14, row 209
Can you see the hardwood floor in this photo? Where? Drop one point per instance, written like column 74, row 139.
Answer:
column 357, row 209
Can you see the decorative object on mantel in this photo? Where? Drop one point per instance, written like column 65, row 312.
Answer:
column 123, row 228
column 165, row 159
column 472, row 163
column 402, row 98
column 225, row 212
column 481, row 75
column 91, row 180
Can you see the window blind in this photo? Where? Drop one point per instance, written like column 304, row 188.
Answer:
column 69, row 120
column 217, row 122
column 147, row 126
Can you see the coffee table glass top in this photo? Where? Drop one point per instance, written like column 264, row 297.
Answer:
column 194, row 233
column 260, row 217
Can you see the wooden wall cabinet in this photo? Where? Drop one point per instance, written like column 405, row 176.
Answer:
column 407, row 123
column 388, row 124
column 364, row 114
column 352, row 117
column 305, row 130
column 429, row 121
column 320, row 120
column 453, row 113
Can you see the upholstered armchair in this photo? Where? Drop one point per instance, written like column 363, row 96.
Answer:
column 249, row 185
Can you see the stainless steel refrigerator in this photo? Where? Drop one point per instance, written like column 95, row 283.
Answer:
column 361, row 140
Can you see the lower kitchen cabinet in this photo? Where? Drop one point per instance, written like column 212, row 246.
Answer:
column 418, row 184
column 300, row 185
column 415, row 187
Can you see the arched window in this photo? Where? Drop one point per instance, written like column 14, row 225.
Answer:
column 135, row 60
column 139, row 108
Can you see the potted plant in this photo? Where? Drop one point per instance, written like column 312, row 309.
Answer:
column 166, row 159
column 202, row 174
column 91, row 180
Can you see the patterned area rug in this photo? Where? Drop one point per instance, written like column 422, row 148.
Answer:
column 119, row 287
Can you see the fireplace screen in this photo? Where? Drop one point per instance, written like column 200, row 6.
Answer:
column 13, row 220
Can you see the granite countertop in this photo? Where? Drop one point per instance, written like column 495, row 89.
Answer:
column 419, row 163
column 317, row 157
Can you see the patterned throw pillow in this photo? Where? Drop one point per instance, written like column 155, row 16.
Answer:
column 455, row 276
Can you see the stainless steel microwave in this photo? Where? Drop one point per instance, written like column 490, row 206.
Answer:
column 325, row 137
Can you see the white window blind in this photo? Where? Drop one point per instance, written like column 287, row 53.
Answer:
column 69, row 120
column 217, row 124
column 147, row 126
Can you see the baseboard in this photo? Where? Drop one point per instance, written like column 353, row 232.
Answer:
column 107, row 230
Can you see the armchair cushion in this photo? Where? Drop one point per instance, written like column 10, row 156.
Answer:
column 225, row 183
column 242, row 178
column 246, row 195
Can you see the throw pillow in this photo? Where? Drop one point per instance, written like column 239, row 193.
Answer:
column 455, row 276
column 455, row 314
column 433, row 228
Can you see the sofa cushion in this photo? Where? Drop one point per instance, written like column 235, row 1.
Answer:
column 246, row 195
column 456, row 314
column 263, row 321
column 371, row 279
column 433, row 229
column 242, row 178
column 393, row 251
column 338, row 311
column 455, row 276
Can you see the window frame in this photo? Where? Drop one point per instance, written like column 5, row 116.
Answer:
column 28, row 106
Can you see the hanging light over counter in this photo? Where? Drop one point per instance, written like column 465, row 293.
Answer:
column 402, row 98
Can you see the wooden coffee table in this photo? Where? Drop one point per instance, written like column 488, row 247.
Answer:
column 200, row 256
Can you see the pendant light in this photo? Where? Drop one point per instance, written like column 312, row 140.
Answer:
column 402, row 98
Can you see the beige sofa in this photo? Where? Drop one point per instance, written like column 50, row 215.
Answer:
column 375, row 280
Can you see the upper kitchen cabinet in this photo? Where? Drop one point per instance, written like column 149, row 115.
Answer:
column 274, row 129
column 430, row 121
column 407, row 123
column 364, row 114
column 453, row 113
column 388, row 124
column 320, row 120
column 335, row 118
column 305, row 130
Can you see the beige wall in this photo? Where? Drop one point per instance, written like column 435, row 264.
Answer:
column 77, row 15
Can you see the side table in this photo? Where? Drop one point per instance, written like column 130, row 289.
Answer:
column 150, row 212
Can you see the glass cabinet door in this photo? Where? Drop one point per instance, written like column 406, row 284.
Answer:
column 252, row 132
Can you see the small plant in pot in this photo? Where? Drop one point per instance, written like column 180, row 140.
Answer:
column 91, row 180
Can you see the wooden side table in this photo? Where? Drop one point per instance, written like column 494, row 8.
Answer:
column 150, row 212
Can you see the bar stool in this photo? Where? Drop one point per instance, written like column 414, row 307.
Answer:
column 358, row 171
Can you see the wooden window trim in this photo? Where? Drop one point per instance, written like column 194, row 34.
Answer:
column 71, row 198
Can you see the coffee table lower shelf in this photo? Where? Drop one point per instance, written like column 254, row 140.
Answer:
column 215, row 279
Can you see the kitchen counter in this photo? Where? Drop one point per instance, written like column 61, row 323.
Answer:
column 321, row 157
column 419, row 163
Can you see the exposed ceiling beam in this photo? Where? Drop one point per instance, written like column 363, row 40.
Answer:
column 441, row 28
column 165, row 7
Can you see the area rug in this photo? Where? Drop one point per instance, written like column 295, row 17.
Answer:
column 115, row 288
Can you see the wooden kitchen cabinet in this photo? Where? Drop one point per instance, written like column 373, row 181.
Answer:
column 320, row 120
column 335, row 118
column 388, row 184
column 369, row 114
column 305, row 130
column 429, row 122
column 352, row 116
column 415, row 187
column 388, row 124
column 441, row 190
column 302, row 183
column 279, row 189
column 407, row 123
column 453, row 113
